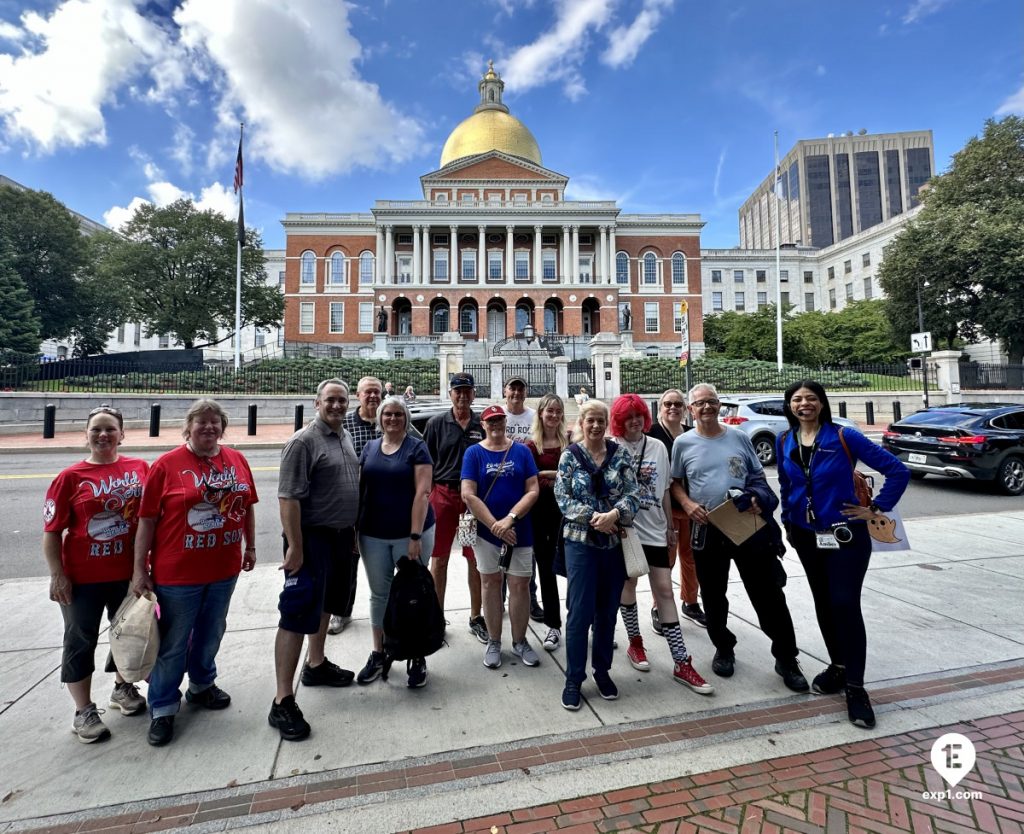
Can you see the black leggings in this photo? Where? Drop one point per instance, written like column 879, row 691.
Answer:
column 547, row 521
column 836, row 578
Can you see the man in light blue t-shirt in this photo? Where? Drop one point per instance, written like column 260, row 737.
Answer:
column 706, row 464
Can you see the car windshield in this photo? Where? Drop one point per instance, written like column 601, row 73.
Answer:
column 944, row 418
column 728, row 410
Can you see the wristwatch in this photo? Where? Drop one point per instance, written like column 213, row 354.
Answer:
column 415, row 537
column 874, row 508
column 513, row 516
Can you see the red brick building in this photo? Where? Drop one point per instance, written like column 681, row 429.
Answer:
column 492, row 245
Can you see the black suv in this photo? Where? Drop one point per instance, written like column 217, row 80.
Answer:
column 980, row 441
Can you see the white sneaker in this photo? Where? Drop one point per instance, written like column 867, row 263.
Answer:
column 338, row 624
column 553, row 640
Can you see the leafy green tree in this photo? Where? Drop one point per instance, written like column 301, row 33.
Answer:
column 860, row 333
column 965, row 249
column 49, row 253
column 176, row 265
column 19, row 326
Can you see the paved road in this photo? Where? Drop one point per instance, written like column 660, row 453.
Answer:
column 25, row 477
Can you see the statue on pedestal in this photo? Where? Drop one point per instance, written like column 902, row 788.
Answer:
column 382, row 320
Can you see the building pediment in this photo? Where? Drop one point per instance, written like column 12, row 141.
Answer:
column 493, row 166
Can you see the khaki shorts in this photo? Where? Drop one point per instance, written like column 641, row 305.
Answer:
column 487, row 559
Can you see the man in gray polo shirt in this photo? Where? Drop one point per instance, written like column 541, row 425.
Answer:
column 318, row 492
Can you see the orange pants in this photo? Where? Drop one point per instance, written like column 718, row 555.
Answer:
column 687, row 570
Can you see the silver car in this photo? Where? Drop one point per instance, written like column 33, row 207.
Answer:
column 761, row 418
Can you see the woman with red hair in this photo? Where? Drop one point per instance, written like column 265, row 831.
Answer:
column 630, row 421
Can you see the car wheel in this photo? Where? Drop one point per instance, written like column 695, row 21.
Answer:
column 917, row 476
column 1010, row 478
column 764, row 448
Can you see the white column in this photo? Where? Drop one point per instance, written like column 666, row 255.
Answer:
column 481, row 254
column 453, row 248
column 510, row 267
column 428, row 256
column 378, row 258
column 565, row 254
column 417, row 260
column 574, row 266
column 611, row 254
column 538, row 264
column 389, row 254
column 601, row 261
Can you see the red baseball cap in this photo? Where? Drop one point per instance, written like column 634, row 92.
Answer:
column 492, row 411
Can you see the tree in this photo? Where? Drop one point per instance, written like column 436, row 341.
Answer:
column 19, row 326
column 102, row 293
column 965, row 249
column 176, row 265
column 49, row 253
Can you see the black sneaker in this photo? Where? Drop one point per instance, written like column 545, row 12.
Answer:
column 606, row 686
column 371, row 671
column 696, row 613
column 831, row 681
column 287, row 718
column 536, row 612
column 326, row 674
column 478, row 628
column 858, row 707
column 161, row 730
column 571, row 696
column 417, row 670
column 656, row 622
column 213, row 697
column 723, row 664
column 791, row 675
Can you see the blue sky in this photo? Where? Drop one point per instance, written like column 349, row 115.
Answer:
column 663, row 105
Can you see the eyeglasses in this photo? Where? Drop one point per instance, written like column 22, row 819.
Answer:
column 105, row 409
column 702, row 403
column 673, row 404
column 394, row 415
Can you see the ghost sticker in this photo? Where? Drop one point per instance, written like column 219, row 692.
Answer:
column 883, row 529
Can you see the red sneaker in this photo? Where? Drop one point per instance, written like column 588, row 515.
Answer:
column 685, row 674
column 636, row 654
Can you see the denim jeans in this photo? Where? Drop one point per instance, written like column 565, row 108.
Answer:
column 596, row 577
column 193, row 619
column 379, row 558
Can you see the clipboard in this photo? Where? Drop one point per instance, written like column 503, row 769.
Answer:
column 736, row 526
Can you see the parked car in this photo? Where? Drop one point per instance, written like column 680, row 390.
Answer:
column 422, row 412
column 980, row 441
column 761, row 418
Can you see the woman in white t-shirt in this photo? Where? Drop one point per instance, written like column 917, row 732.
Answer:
column 630, row 420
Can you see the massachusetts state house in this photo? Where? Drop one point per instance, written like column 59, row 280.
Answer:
column 492, row 246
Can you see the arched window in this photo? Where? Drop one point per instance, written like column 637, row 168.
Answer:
column 650, row 268
column 622, row 268
column 366, row 268
column 440, row 318
column 467, row 318
column 337, row 268
column 550, row 318
column 678, row 269
column 523, row 316
column 308, row 270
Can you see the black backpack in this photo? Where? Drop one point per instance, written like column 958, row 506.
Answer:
column 413, row 620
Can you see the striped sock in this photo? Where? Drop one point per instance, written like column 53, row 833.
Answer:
column 630, row 620
column 674, row 636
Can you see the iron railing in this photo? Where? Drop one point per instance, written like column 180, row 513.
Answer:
column 976, row 376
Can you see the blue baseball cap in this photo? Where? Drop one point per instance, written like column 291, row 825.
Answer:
column 461, row 381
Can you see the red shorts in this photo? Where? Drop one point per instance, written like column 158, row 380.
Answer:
column 448, row 505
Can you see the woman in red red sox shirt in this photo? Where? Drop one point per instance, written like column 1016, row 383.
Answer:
column 96, row 502
column 196, row 517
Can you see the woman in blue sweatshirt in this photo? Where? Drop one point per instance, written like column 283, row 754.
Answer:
column 828, row 528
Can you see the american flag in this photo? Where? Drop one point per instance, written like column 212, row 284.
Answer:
column 238, row 167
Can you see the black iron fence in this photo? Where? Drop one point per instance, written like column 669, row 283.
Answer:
column 976, row 376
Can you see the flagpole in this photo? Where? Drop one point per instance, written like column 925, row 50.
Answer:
column 238, row 259
column 778, row 258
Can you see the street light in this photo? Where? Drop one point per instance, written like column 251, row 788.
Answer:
column 920, row 329
column 529, row 334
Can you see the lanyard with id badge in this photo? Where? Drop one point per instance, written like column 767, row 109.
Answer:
column 838, row 534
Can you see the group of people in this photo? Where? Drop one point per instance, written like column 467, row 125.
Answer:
column 361, row 484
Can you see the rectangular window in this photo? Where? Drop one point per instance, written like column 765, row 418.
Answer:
column 650, row 270
column 831, row 273
column 468, row 265
column 716, row 276
column 585, row 273
column 494, row 266
column 716, row 302
column 337, row 317
column 622, row 268
column 741, row 303
column 869, row 188
column 365, row 316
column 868, row 292
column 844, row 210
column 441, row 266
column 308, row 271
column 849, row 291
column 783, row 274
column 440, row 240
column 865, row 259
column 138, row 334
column 280, row 278
column 678, row 270
column 306, row 313
column 403, row 240
column 120, row 335
column 280, row 338
column 762, row 300
column 762, row 275
column 366, row 268
column 819, row 200
column 785, row 300
column 404, row 269
column 847, row 267
column 522, row 266
column 586, row 240
column 549, row 240
column 165, row 341
column 261, row 339
column 548, row 262
column 832, row 298
column 651, row 317
column 737, row 276
column 519, row 198
column 808, row 277
column 677, row 319
column 808, row 301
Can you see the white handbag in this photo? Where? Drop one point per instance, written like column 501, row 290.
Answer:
column 633, row 553
column 135, row 637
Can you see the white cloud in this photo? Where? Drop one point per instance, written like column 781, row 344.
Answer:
column 116, row 216
column 181, row 148
column 220, row 198
column 1014, row 104
column 718, row 172
column 10, row 32
column 556, row 55
column 624, row 42
column 290, row 69
column 54, row 92
column 921, row 9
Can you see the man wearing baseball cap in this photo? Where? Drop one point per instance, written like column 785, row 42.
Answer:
column 447, row 437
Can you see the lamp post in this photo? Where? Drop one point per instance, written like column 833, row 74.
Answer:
column 529, row 334
column 920, row 329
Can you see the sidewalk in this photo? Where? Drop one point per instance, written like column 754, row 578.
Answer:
column 495, row 748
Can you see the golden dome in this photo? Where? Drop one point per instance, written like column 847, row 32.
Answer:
column 488, row 130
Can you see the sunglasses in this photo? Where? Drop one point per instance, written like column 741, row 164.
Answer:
column 673, row 404
column 105, row 409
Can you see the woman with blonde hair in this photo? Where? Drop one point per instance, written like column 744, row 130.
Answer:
column 548, row 439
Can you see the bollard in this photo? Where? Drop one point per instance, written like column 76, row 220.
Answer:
column 154, row 420
column 252, row 419
column 842, row 408
column 897, row 411
column 869, row 410
column 298, row 417
column 49, row 420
